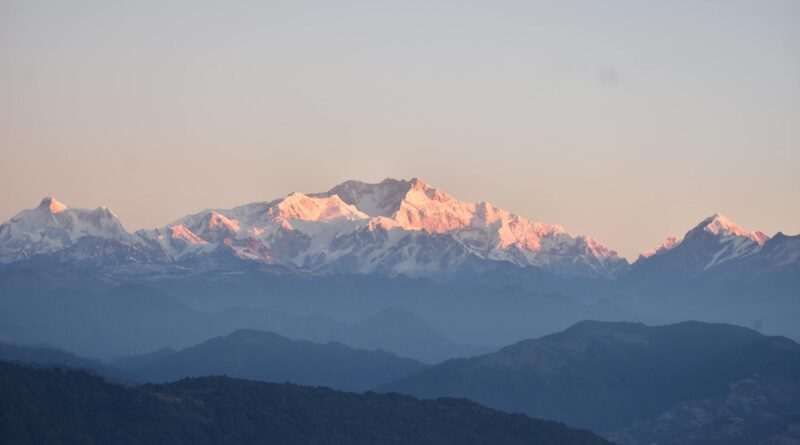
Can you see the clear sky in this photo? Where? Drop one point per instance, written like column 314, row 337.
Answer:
column 624, row 120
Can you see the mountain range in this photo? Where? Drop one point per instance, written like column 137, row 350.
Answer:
column 689, row 382
column 393, row 227
column 479, row 275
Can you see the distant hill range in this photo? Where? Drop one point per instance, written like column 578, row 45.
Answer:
column 265, row 356
column 133, row 319
column 690, row 382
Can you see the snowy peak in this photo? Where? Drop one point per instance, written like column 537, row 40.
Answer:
column 53, row 226
column 394, row 226
column 666, row 245
column 176, row 241
column 481, row 228
column 52, row 204
column 415, row 205
column 716, row 227
column 716, row 240
column 432, row 210
column 307, row 208
column 387, row 197
column 53, row 214
column 721, row 226
column 211, row 226
column 381, row 199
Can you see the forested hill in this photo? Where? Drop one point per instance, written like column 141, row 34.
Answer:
column 50, row 405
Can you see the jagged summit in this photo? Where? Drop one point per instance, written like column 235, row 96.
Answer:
column 715, row 240
column 53, row 227
column 309, row 208
column 717, row 226
column 381, row 199
column 666, row 245
column 720, row 225
column 416, row 205
column 52, row 204
column 479, row 229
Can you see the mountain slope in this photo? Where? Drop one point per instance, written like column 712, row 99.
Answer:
column 33, row 410
column 609, row 376
column 257, row 355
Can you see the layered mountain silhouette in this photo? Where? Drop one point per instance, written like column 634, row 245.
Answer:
column 48, row 356
column 638, row 384
column 410, row 317
column 366, row 285
column 265, row 356
column 689, row 383
column 61, row 406
column 135, row 320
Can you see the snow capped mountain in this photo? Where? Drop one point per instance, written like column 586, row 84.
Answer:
column 298, row 206
column 481, row 229
column 666, row 245
column 733, row 241
column 395, row 226
column 716, row 240
column 381, row 199
column 285, row 231
column 392, row 227
column 53, row 227
column 723, row 227
column 175, row 241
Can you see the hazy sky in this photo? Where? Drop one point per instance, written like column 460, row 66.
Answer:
column 627, row 121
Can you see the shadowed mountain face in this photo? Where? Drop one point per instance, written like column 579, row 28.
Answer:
column 51, row 405
column 266, row 356
column 615, row 376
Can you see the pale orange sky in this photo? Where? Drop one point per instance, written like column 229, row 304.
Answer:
column 627, row 121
